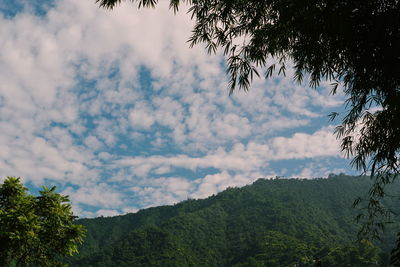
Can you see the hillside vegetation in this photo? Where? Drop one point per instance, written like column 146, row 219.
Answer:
column 279, row 222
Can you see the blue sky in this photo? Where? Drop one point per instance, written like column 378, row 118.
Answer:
column 115, row 109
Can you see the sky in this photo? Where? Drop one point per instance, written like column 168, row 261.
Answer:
column 117, row 111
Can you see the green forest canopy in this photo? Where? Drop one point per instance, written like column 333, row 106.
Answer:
column 277, row 222
column 354, row 44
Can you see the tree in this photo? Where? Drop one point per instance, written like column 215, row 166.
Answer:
column 35, row 230
column 354, row 44
column 364, row 255
column 278, row 249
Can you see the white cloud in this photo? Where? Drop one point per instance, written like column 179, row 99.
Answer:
column 141, row 117
column 250, row 157
column 300, row 145
column 93, row 142
column 91, row 98
column 232, row 126
column 100, row 195
column 162, row 170
column 214, row 183
column 107, row 213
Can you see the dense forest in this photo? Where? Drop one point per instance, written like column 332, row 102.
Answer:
column 273, row 222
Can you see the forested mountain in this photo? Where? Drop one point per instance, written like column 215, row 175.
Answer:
column 278, row 222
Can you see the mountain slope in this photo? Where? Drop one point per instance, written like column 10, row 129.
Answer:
column 300, row 220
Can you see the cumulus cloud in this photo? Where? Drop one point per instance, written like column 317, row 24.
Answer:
column 101, row 195
column 301, row 145
column 110, row 106
column 107, row 213
column 250, row 157
column 141, row 117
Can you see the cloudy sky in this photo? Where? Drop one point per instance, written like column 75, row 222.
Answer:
column 117, row 111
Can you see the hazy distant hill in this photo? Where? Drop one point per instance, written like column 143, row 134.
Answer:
column 280, row 222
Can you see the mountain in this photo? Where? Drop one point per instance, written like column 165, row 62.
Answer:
column 274, row 222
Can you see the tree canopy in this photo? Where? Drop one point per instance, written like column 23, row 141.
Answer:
column 354, row 44
column 35, row 230
column 280, row 222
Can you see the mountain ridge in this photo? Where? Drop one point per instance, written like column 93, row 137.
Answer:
column 231, row 227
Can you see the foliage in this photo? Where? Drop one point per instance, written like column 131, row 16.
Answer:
column 277, row 249
column 395, row 253
column 350, row 43
column 364, row 255
column 35, row 230
column 270, row 223
column 151, row 246
column 18, row 222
